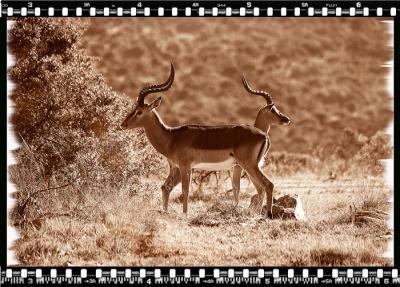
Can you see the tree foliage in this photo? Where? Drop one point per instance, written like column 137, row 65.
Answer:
column 62, row 106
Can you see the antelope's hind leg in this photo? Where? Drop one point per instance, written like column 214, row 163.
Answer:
column 265, row 185
column 262, row 184
column 173, row 179
column 256, row 202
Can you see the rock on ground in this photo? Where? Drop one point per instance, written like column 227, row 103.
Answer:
column 285, row 207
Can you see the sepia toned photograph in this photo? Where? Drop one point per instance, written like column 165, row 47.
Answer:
column 201, row 141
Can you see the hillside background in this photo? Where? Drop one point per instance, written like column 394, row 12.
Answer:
column 326, row 75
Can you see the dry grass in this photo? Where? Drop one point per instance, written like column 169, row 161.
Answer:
column 132, row 230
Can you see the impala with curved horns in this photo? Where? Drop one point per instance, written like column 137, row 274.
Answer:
column 267, row 116
column 202, row 147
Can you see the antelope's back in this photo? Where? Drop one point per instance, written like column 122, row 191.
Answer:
column 226, row 137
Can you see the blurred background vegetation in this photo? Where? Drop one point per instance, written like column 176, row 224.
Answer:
column 326, row 75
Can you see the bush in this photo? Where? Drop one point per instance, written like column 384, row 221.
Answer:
column 67, row 118
column 375, row 148
column 61, row 103
column 355, row 153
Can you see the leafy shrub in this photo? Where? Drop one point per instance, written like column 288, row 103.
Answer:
column 67, row 119
column 355, row 153
column 61, row 104
column 375, row 148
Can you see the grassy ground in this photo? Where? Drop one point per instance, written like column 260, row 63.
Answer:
column 128, row 229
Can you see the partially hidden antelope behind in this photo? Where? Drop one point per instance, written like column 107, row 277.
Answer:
column 267, row 116
column 201, row 147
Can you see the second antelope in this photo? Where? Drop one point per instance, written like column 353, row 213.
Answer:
column 267, row 116
column 203, row 147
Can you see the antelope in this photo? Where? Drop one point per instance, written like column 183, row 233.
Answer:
column 267, row 116
column 198, row 146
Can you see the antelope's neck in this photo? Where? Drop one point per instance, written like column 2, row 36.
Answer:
column 261, row 123
column 158, row 133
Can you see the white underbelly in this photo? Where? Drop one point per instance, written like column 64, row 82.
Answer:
column 223, row 165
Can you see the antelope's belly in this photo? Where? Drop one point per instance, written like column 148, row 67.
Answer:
column 222, row 165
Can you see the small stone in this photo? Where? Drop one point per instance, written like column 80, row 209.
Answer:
column 285, row 207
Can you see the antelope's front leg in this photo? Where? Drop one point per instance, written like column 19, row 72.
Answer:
column 186, row 177
column 172, row 180
column 237, row 172
column 270, row 199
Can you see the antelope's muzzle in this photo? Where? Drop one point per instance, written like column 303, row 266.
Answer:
column 285, row 120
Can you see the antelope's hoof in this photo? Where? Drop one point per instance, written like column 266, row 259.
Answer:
column 269, row 215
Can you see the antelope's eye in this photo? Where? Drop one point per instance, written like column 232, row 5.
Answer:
column 139, row 113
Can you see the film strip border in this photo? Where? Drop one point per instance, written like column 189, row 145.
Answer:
column 201, row 8
column 198, row 275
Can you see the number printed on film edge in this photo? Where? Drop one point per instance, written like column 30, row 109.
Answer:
column 221, row 276
column 200, row 8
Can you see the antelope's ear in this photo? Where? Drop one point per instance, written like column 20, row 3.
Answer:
column 154, row 104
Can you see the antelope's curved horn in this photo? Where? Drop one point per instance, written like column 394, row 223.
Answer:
column 263, row 94
column 156, row 88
